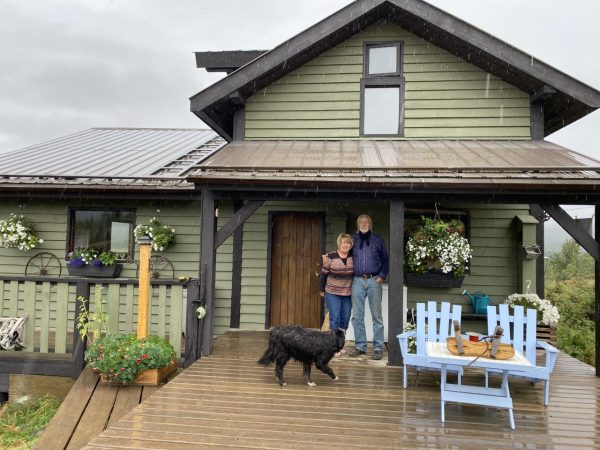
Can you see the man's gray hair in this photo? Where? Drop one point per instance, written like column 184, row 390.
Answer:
column 368, row 218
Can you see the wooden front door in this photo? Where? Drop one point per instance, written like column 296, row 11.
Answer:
column 296, row 247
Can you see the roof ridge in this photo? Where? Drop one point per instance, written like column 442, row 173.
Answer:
column 151, row 128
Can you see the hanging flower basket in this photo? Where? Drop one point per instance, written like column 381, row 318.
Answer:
column 437, row 254
column 436, row 279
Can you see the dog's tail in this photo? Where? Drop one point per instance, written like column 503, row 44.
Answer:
column 268, row 357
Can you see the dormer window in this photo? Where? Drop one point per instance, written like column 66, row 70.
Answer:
column 382, row 90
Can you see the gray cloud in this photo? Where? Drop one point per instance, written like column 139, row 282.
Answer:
column 68, row 65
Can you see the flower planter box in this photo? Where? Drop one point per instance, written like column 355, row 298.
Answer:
column 95, row 272
column 436, row 279
column 150, row 377
column 546, row 333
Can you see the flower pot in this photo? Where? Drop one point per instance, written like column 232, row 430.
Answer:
column 149, row 377
column 95, row 271
column 436, row 279
column 546, row 333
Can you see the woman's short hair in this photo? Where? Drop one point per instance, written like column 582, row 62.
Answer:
column 368, row 218
column 344, row 237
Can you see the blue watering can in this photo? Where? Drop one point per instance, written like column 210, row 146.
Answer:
column 479, row 300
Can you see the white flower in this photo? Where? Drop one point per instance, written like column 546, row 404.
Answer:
column 549, row 312
column 18, row 232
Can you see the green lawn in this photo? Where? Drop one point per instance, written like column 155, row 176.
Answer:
column 22, row 423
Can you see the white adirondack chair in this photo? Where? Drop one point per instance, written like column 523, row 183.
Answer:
column 431, row 326
column 522, row 336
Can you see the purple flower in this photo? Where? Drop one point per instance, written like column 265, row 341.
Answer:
column 76, row 262
column 96, row 262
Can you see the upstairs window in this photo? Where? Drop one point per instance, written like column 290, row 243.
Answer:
column 382, row 90
column 102, row 230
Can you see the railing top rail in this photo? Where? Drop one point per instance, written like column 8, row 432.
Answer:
column 76, row 280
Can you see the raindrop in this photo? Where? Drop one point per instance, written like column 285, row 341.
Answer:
column 501, row 114
column 487, row 85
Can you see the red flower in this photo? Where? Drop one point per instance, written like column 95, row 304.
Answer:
column 139, row 360
column 144, row 356
column 122, row 369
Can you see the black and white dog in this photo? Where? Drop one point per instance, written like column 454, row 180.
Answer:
column 303, row 345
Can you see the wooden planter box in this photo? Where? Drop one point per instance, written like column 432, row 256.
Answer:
column 95, row 272
column 436, row 279
column 546, row 333
column 150, row 377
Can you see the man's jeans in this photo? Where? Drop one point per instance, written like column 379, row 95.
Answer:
column 361, row 290
column 339, row 307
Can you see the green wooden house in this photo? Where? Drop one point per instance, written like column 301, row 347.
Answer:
column 392, row 108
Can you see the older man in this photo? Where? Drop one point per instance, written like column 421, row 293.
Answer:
column 371, row 265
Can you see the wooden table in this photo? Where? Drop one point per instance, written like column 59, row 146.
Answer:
column 437, row 352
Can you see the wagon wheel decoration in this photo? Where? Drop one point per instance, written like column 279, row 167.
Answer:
column 159, row 265
column 44, row 264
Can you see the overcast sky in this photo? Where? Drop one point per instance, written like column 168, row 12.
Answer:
column 69, row 65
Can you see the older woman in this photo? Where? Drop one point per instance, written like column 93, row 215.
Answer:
column 337, row 272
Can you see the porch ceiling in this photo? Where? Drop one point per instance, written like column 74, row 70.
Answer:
column 400, row 163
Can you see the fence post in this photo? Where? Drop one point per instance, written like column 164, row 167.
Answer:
column 193, row 336
column 82, row 290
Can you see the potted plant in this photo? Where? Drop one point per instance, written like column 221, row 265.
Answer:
column 547, row 317
column 436, row 254
column 18, row 232
column 88, row 262
column 122, row 358
column 163, row 236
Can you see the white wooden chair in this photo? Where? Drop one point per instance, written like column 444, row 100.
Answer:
column 431, row 326
column 522, row 336
column 12, row 331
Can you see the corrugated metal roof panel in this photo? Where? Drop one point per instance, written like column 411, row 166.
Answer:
column 112, row 152
column 398, row 162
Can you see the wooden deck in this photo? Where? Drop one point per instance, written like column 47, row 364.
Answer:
column 227, row 400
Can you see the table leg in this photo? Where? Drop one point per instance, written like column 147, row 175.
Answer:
column 506, row 392
column 442, row 389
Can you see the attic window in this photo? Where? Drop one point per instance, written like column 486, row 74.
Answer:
column 382, row 90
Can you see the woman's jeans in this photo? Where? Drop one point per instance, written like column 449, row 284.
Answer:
column 361, row 290
column 339, row 307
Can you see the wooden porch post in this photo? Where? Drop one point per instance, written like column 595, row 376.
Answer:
column 207, row 268
column 597, row 289
column 396, row 298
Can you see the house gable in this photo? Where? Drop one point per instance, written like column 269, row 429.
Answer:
column 556, row 98
column 445, row 97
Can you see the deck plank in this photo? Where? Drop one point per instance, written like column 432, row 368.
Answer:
column 128, row 397
column 66, row 418
column 96, row 416
column 227, row 400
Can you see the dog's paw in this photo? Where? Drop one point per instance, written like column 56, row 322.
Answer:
column 336, row 378
column 283, row 384
column 311, row 384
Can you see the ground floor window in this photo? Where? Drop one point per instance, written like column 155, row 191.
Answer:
column 102, row 229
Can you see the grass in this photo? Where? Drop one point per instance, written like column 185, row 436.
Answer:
column 22, row 423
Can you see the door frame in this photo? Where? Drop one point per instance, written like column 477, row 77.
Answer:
column 271, row 214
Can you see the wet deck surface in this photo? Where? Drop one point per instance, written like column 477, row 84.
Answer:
column 227, row 400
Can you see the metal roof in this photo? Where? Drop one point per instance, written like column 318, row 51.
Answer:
column 157, row 157
column 422, row 162
column 565, row 99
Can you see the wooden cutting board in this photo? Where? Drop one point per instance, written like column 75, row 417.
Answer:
column 481, row 349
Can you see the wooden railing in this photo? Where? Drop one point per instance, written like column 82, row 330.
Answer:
column 53, row 345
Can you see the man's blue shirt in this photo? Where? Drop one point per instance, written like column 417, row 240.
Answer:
column 372, row 258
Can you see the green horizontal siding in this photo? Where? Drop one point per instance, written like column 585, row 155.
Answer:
column 321, row 99
column 50, row 219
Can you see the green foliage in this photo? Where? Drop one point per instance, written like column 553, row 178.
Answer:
column 90, row 256
column 93, row 325
column 570, row 285
column 119, row 357
column 570, row 262
column 436, row 244
column 18, row 232
column 20, row 424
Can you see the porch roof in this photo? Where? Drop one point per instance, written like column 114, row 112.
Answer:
column 400, row 163
column 110, row 158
